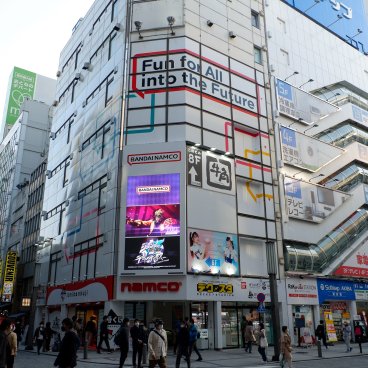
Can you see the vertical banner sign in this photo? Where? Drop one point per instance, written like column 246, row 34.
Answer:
column 22, row 88
column 9, row 277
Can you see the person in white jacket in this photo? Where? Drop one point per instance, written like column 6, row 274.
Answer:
column 157, row 346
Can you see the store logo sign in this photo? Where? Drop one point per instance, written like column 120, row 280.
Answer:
column 142, row 287
column 215, row 288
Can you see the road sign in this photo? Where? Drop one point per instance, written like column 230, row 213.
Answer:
column 194, row 164
column 261, row 308
column 261, row 297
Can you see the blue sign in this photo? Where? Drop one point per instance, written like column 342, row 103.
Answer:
column 288, row 136
column 261, row 308
column 345, row 18
column 335, row 290
column 293, row 189
column 284, row 89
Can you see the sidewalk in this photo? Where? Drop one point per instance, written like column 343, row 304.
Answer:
column 226, row 358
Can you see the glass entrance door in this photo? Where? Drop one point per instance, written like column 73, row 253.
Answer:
column 230, row 327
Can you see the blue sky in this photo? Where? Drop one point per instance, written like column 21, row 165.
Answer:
column 32, row 34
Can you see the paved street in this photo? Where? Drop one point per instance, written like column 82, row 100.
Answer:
column 304, row 358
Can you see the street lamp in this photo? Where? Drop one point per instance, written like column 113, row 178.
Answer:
column 272, row 271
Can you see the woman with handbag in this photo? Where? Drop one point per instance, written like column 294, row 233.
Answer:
column 263, row 343
column 285, row 342
column 249, row 337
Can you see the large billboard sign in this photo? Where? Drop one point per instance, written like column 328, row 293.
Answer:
column 309, row 202
column 347, row 18
column 152, row 232
column 22, row 88
column 306, row 152
column 301, row 105
column 213, row 252
column 9, row 277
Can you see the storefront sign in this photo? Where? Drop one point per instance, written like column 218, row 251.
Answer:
column 307, row 152
column 335, row 290
column 152, row 288
column 154, row 158
column 356, row 265
column 301, row 291
column 144, row 287
column 361, row 291
column 214, row 288
column 9, row 277
column 152, row 233
column 213, row 252
column 96, row 290
column 330, row 327
column 309, row 202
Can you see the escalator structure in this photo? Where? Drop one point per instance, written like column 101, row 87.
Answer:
column 349, row 174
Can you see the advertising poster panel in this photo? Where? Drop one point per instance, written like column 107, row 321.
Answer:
column 22, row 88
column 152, row 233
column 306, row 152
column 9, row 277
column 309, row 202
column 301, row 105
column 212, row 252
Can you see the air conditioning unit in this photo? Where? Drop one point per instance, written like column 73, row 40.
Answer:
column 78, row 76
column 75, row 113
column 116, row 70
column 86, row 65
column 71, row 156
column 58, row 73
column 232, row 34
column 117, row 27
column 66, row 203
column 48, row 174
column 55, row 103
column 52, row 135
column 108, row 175
column 278, row 214
column 264, row 48
column 44, row 214
column 84, row 104
column 267, row 85
column 275, row 182
column 261, row 13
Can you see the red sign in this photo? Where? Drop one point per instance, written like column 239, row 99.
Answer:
column 142, row 287
column 352, row 271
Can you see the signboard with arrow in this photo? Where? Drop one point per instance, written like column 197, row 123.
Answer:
column 194, row 159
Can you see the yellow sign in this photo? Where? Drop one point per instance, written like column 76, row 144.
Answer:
column 9, row 276
column 215, row 288
column 330, row 327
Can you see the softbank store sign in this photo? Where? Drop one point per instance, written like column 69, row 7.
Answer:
column 186, row 66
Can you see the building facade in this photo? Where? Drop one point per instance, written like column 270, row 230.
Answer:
column 319, row 67
column 160, row 191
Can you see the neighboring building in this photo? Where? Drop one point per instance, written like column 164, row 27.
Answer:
column 322, row 159
column 24, row 85
column 22, row 150
column 175, row 223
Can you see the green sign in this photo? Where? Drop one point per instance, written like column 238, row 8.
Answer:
column 22, row 88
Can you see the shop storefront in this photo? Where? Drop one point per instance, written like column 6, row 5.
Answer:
column 337, row 305
column 216, row 304
column 302, row 300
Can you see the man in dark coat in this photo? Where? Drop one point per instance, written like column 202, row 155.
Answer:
column 124, row 341
column 183, row 345
column 134, row 334
column 104, row 335
column 67, row 357
column 321, row 333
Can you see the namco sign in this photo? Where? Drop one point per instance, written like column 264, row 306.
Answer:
column 143, row 287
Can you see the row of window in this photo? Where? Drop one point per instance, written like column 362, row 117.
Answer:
column 36, row 196
column 32, row 225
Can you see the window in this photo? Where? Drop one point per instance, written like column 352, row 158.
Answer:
column 257, row 55
column 255, row 19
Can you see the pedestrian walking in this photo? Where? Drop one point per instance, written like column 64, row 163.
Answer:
column 39, row 336
column 263, row 343
column 285, row 344
column 123, row 341
column 3, row 344
column 249, row 337
column 243, row 326
column 67, row 357
column 90, row 331
column 11, row 343
column 193, row 337
column 183, row 342
column 157, row 346
column 142, row 344
column 321, row 333
column 48, row 333
column 346, row 335
column 104, row 335
column 134, row 334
